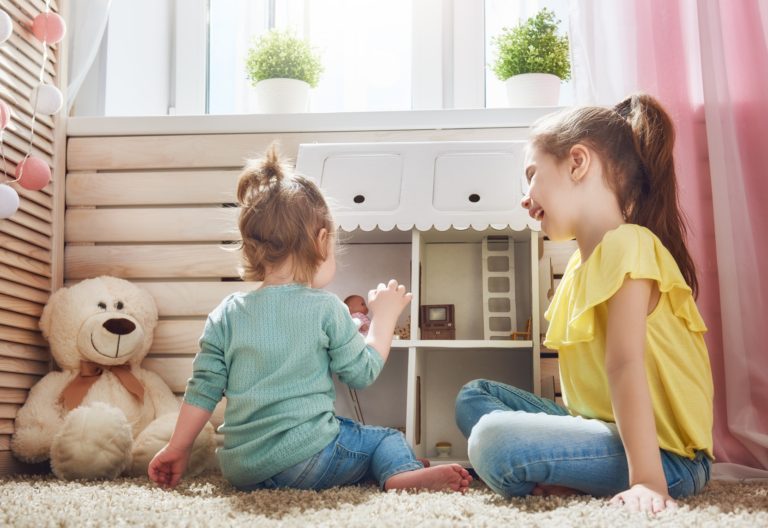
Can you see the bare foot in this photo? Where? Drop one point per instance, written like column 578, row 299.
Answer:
column 546, row 490
column 438, row 478
column 425, row 462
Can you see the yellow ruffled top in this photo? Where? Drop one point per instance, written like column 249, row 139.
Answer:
column 676, row 358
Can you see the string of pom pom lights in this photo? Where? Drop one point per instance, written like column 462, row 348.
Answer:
column 32, row 173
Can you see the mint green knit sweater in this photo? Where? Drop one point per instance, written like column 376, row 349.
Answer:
column 271, row 352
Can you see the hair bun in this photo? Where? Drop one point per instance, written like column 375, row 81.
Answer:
column 259, row 176
column 271, row 167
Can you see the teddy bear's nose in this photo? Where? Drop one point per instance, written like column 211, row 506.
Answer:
column 119, row 326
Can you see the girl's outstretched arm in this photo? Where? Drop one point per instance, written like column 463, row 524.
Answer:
column 631, row 397
column 168, row 465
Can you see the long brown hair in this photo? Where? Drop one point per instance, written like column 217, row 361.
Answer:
column 635, row 139
column 281, row 215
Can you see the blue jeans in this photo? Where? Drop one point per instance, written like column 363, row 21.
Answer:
column 518, row 440
column 358, row 453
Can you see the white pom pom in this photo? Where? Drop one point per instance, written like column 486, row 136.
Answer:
column 9, row 201
column 49, row 99
column 6, row 26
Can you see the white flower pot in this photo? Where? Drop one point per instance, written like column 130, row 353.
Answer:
column 282, row 96
column 533, row 89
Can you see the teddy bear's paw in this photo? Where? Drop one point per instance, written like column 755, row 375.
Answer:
column 31, row 444
column 94, row 443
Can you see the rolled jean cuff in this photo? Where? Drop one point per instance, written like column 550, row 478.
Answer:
column 410, row 466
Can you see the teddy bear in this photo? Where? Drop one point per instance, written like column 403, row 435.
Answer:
column 102, row 415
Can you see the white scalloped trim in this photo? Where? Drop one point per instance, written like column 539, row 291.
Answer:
column 351, row 224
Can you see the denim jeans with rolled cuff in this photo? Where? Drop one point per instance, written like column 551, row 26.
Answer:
column 518, row 440
column 358, row 453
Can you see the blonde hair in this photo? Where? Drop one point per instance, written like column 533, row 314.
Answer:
column 281, row 215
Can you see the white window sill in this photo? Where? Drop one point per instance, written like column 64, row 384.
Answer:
column 310, row 122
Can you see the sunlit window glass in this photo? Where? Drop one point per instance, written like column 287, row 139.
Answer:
column 365, row 46
column 505, row 13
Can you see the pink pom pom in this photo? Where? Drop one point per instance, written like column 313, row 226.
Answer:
column 5, row 114
column 33, row 174
column 48, row 28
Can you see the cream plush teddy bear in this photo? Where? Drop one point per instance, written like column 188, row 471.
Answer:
column 102, row 415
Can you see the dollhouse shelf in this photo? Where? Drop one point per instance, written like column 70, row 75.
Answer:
column 420, row 212
column 463, row 343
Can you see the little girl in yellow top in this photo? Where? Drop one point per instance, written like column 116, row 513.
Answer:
column 634, row 368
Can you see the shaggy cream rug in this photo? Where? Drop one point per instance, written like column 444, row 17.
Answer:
column 34, row 501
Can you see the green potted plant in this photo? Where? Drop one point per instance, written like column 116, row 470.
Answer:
column 282, row 69
column 533, row 59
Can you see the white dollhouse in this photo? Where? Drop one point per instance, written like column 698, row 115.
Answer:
column 444, row 219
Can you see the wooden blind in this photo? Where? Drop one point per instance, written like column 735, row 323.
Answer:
column 27, row 239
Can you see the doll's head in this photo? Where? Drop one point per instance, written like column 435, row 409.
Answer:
column 356, row 304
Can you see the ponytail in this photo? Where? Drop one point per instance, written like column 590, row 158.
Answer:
column 652, row 187
column 635, row 139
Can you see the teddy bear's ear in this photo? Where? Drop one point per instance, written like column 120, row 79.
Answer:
column 50, row 306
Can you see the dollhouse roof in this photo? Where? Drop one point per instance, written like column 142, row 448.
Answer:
column 422, row 185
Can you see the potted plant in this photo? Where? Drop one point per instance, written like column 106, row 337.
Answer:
column 533, row 59
column 282, row 69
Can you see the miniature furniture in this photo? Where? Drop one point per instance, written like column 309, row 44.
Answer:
column 524, row 334
column 426, row 214
column 436, row 321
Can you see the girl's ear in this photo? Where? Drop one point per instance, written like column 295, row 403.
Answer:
column 322, row 242
column 579, row 159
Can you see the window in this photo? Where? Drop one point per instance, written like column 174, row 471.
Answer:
column 377, row 56
column 503, row 13
column 365, row 47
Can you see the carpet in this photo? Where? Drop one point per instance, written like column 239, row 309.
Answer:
column 42, row 500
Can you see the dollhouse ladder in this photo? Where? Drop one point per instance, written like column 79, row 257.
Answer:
column 499, row 316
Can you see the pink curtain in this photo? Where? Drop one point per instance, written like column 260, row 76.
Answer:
column 707, row 62
column 734, row 55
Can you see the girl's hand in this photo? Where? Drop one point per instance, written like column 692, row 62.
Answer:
column 167, row 466
column 388, row 301
column 642, row 498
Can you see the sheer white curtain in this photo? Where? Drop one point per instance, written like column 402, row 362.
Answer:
column 706, row 62
column 87, row 21
column 604, row 50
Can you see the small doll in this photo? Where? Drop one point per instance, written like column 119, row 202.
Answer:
column 359, row 311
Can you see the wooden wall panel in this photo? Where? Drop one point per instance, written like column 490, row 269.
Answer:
column 175, row 371
column 150, row 224
column 177, row 338
column 167, row 188
column 166, row 261
column 29, row 237
column 192, row 299
column 220, row 151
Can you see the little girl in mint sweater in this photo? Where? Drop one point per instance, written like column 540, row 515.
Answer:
column 272, row 351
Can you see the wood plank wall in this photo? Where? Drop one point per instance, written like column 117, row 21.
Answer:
column 28, row 238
